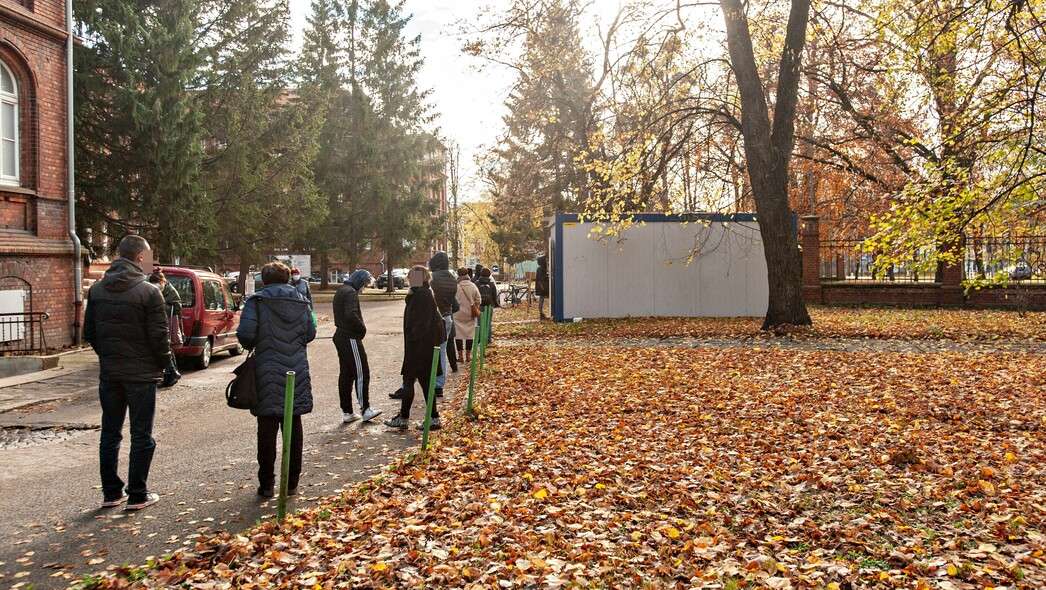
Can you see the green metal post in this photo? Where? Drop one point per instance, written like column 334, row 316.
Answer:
column 430, row 399
column 488, row 318
column 477, row 336
column 285, row 462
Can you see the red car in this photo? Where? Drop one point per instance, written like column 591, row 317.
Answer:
column 210, row 315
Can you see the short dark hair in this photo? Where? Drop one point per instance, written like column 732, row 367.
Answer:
column 484, row 272
column 463, row 272
column 131, row 246
column 275, row 273
column 157, row 276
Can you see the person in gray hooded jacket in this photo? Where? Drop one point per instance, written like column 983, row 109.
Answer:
column 276, row 324
column 354, row 370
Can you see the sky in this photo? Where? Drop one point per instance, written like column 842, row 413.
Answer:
column 469, row 104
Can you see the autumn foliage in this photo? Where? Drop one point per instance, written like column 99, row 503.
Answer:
column 628, row 454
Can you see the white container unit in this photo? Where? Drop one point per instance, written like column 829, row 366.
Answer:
column 645, row 271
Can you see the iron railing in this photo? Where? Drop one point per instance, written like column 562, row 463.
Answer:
column 843, row 260
column 1021, row 259
column 23, row 331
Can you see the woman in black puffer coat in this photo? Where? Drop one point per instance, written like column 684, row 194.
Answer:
column 277, row 325
column 423, row 330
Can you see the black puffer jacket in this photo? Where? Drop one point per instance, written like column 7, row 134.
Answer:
column 126, row 324
column 348, row 320
column 444, row 283
column 423, row 329
column 285, row 329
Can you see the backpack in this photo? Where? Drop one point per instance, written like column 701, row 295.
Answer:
column 486, row 293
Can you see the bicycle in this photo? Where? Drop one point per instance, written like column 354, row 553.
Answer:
column 513, row 294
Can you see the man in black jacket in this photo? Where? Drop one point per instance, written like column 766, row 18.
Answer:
column 126, row 324
column 352, row 357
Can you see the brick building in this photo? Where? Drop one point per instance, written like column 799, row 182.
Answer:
column 37, row 254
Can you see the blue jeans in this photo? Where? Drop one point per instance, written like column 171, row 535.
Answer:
column 441, row 380
column 138, row 400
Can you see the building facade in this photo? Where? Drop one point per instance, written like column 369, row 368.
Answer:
column 36, row 250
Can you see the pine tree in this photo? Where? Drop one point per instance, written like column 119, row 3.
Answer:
column 138, row 129
column 261, row 138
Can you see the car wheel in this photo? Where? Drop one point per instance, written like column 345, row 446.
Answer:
column 236, row 350
column 204, row 360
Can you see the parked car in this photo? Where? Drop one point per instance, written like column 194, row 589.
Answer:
column 233, row 279
column 399, row 279
column 1020, row 271
column 210, row 314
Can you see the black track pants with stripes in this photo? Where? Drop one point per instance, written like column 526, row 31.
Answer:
column 354, row 376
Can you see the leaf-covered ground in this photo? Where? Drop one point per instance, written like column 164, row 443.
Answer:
column 614, row 466
column 960, row 325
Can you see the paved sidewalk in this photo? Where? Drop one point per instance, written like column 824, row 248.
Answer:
column 75, row 376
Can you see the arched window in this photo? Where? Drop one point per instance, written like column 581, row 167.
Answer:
column 8, row 127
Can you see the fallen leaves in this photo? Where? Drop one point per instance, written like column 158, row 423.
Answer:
column 624, row 466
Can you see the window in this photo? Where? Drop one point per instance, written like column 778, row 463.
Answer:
column 8, row 127
column 212, row 296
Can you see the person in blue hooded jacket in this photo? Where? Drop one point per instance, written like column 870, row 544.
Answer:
column 276, row 324
column 354, row 370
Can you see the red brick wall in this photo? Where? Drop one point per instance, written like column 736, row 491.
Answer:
column 34, row 242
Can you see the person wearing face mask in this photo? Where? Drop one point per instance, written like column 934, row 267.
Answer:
column 301, row 286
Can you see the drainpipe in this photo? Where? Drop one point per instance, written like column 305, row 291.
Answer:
column 78, row 273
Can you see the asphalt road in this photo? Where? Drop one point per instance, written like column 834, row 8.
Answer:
column 204, row 468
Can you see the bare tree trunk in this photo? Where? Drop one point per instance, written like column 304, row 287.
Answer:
column 768, row 150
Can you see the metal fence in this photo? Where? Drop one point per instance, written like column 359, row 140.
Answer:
column 23, row 332
column 843, row 260
column 1021, row 260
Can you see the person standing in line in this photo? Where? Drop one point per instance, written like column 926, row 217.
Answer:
column 126, row 324
column 541, row 286
column 423, row 330
column 277, row 325
column 464, row 321
column 301, row 286
column 488, row 294
column 354, row 370
column 173, row 301
column 444, row 289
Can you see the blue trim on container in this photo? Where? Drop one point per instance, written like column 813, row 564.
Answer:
column 557, row 300
column 663, row 217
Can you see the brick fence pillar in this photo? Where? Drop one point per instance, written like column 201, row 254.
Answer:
column 811, row 242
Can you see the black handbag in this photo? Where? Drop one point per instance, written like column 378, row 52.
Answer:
column 242, row 392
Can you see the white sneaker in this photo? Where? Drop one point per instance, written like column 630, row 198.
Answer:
column 370, row 414
column 350, row 418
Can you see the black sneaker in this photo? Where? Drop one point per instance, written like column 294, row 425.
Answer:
column 434, row 425
column 266, row 492
column 398, row 394
column 399, row 423
column 439, row 392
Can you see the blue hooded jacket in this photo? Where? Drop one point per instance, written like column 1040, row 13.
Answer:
column 284, row 330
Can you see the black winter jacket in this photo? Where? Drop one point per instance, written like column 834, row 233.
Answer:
column 126, row 324
column 444, row 283
column 423, row 329
column 348, row 320
column 285, row 329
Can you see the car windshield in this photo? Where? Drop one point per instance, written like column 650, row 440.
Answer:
column 184, row 288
